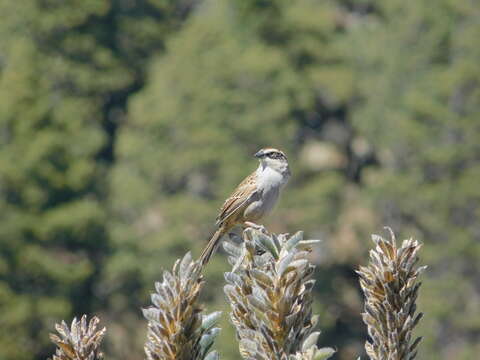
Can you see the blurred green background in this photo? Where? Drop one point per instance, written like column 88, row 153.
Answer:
column 125, row 123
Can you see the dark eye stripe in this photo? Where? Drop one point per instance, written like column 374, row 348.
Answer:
column 275, row 155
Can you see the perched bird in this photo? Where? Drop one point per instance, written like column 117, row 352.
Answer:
column 253, row 198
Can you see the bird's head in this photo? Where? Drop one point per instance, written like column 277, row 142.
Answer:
column 274, row 158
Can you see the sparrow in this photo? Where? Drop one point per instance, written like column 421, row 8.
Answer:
column 252, row 199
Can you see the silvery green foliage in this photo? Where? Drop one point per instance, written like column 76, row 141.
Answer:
column 176, row 327
column 79, row 342
column 270, row 293
column 390, row 286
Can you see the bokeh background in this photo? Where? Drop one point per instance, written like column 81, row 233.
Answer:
column 125, row 123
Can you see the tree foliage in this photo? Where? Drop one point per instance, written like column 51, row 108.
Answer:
column 420, row 106
column 124, row 125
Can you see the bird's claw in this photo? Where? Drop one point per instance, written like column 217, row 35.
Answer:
column 257, row 227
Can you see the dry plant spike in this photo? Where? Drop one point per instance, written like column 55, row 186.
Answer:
column 176, row 327
column 390, row 286
column 80, row 341
column 270, row 294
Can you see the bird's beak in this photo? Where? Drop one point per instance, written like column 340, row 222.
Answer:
column 259, row 154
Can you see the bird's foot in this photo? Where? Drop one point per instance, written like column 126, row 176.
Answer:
column 258, row 227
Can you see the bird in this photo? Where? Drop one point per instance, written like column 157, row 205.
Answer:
column 253, row 198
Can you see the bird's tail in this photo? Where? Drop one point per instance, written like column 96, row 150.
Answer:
column 212, row 245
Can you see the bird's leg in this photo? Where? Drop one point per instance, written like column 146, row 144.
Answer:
column 255, row 226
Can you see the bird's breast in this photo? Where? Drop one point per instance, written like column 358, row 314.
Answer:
column 269, row 179
column 269, row 183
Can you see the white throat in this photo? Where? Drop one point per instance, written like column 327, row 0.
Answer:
column 272, row 177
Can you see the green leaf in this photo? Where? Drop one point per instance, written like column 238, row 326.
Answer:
column 307, row 244
column 210, row 320
column 293, row 241
column 283, row 263
column 310, row 341
column 266, row 243
column 207, row 339
column 324, row 353
column 213, row 355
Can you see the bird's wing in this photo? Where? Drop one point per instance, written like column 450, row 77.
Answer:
column 239, row 198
